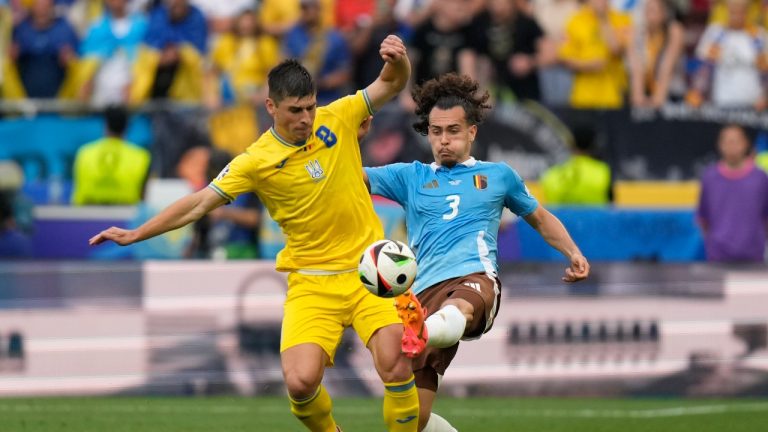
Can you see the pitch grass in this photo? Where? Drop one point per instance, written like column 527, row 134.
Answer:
column 219, row 414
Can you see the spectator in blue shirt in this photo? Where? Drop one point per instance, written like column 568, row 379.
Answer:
column 173, row 25
column 113, row 42
column 324, row 52
column 43, row 46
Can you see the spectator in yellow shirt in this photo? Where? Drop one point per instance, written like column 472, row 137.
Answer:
column 241, row 60
column 596, row 38
column 755, row 13
column 278, row 16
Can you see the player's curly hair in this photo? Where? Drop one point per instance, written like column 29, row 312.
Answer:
column 446, row 92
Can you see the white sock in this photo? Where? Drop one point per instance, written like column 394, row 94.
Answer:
column 438, row 424
column 445, row 327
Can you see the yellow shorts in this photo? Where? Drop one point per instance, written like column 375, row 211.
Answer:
column 318, row 308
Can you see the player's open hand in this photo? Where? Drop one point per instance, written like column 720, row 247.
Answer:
column 120, row 236
column 392, row 49
column 579, row 269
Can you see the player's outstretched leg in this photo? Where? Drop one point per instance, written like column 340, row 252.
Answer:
column 445, row 327
column 412, row 314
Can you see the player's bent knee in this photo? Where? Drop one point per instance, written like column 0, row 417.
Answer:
column 465, row 307
column 301, row 385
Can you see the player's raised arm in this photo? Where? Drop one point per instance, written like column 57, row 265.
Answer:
column 394, row 75
column 554, row 233
column 182, row 212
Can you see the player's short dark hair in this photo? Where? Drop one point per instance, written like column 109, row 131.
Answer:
column 116, row 117
column 290, row 79
column 448, row 91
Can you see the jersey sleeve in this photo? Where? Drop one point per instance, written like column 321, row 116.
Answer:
column 517, row 198
column 352, row 109
column 389, row 181
column 236, row 178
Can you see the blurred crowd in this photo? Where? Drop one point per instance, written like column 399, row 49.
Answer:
column 591, row 54
column 215, row 54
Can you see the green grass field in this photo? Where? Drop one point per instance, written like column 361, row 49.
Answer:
column 363, row 415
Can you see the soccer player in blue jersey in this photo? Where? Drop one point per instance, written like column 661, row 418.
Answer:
column 453, row 210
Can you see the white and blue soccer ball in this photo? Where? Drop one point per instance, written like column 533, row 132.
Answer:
column 387, row 268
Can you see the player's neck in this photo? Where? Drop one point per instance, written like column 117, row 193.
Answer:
column 461, row 162
column 283, row 136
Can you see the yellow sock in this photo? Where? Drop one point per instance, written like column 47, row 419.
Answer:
column 401, row 406
column 315, row 411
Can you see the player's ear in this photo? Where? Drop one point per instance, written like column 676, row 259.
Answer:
column 271, row 106
column 472, row 133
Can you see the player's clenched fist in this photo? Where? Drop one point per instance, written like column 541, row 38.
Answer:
column 579, row 269
column 392, row 49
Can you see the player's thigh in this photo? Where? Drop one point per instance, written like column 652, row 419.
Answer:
column 483, row 292
column 371, row 313
column 376, row 322
column 314, row 313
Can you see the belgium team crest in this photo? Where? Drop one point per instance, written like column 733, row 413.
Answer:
column 481, row 181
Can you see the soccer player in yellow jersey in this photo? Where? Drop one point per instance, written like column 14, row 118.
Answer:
column 307, row 171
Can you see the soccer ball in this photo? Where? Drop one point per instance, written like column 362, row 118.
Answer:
column 387, row 268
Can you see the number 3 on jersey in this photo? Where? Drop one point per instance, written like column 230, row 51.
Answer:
column 453, row 203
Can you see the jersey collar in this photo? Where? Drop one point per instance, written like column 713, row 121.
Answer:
column 469, row 163
column 285, row 141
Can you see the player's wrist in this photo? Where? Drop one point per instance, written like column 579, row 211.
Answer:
column 133, row 236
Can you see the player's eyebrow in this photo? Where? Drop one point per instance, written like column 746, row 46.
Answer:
column 297, row 108
column 450, row 126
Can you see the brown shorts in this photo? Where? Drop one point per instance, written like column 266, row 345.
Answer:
column 483, row 291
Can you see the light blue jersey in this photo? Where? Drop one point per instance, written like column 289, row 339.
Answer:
column 452, row 214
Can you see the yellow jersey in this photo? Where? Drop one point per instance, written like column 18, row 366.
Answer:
column 247, row 60
column 313, row 190
column 602, row 89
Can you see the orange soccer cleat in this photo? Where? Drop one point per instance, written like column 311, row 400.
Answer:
column 412, row 314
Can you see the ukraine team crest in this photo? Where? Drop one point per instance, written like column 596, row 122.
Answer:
column 481, row 181
column 315, row 170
